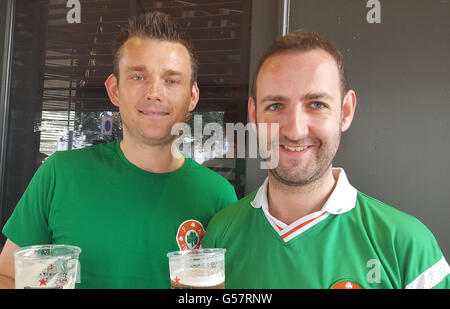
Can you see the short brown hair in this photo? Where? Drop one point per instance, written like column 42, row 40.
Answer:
column 303, row 40
column 154, row 26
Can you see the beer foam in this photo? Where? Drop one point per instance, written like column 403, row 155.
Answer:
column 198, row 277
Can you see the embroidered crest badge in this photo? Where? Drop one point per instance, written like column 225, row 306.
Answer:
column 190, row 234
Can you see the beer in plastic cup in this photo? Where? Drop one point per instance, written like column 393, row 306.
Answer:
column 46, row 266
column 197, row 269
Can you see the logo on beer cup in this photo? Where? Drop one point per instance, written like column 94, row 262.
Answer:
column 190, row 234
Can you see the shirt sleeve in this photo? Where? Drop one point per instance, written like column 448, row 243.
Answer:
column 209, row 239
column 228, row 197
column 444, row 284
column 435, row 277
column 28, row 225
column 424, row 266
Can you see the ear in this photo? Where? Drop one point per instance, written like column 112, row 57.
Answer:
column 348, row 110
column 195, row 94
column 112, row 88
column 252, row 110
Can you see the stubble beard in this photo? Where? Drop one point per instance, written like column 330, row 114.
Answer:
column 297, row 174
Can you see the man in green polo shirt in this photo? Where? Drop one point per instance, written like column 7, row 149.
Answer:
column 127, row 204
column 307, row 226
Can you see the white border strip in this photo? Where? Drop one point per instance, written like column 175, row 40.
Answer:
column 432, row 276
column 272, row 223
column 306, row 227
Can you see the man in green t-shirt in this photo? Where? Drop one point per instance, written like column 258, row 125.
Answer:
column 127, row 204
column 307, row 226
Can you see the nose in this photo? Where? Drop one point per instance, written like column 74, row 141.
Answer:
column 295, row 125
column 154, row 91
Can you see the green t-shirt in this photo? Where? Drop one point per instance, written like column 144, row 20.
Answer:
column 123, row 218
column 356, row 241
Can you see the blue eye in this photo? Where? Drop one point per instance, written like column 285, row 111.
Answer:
column 172, row 81
column 275, row 107
column 138, row 78
column 317, row 105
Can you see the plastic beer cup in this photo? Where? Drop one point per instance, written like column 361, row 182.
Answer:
column 46, row 266
column 197, row 269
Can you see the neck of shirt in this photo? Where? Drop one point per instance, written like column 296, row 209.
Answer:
column 341, row 200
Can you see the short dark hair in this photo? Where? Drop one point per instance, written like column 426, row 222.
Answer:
column 303, row 40
column 154, row 26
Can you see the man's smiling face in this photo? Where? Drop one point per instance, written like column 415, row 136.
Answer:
column 300, row 90
column 155, row 89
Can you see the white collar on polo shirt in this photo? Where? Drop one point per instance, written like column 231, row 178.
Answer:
column 341, row 200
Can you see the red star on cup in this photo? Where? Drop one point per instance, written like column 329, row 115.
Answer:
column 42, row 282
column 177, row 279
